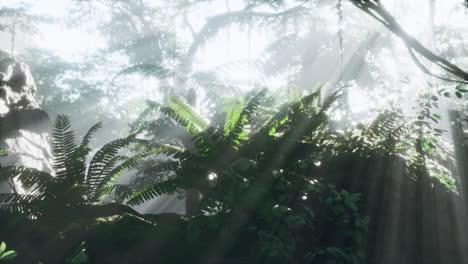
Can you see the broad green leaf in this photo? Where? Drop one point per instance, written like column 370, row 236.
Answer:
column 2, row 248
column 8, row 255
column 426, row 145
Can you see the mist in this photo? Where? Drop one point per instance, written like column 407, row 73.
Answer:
column 233, row 131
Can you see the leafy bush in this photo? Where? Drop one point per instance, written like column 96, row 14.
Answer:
column 60, row 206
column 267, row 184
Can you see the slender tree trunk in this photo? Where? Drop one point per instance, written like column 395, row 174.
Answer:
column 13, row 38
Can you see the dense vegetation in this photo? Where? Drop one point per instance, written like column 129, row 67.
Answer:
column 285, row 175
column 260, row 173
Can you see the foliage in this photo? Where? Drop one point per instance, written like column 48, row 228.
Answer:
column 79, row 256
column 6, row 255
column 274, row 172
column 270, row 171
column 76, row 182
column 260, row 175
column 64, row 203
column 230, row 162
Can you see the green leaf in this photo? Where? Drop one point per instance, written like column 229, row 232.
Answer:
column 401, row 147
column 458, row 94
column 182, row 114
column 440, row 130
column 2, row 248
column 8, row 255
column 158, row 189
column 426, row 145
column 186, row 111
column 152, row 70
column 272, row 131
column 461, row 89
column 233, row 112
column 437, row 116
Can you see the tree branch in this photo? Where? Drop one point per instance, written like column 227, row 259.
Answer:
column 378, row 12
column 427, row 71
column 215, row 23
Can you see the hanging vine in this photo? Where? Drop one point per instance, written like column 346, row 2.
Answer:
column 339, row 9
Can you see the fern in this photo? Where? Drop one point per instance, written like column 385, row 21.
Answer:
column 295, row 110
column 151, row 192
column 188, row 124
column 103, row 166
column 120, row 192
column 151, row 70
column 63, row 146
column 76, row 183
column 33, row 181
column 234, row 110
column 238, row 132
column 79, row 155
column 165, row 149
column 185, row 111
column 165, row 166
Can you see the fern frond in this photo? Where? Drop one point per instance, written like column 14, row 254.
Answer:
column 326, row 104
column 289, row 112
column 12, row 208
column 63, row 144
column 189, row 125
column 9, row 197
column 186, row 111
column 32, row 180
column 139, row 124
column 106, row 158
column 115, row 172
column 238, row 131
column 233, row 110
column 149, row 70
column 87, row 137
column 213, row 87
column 120, row 191
column 165, row 166
column 14, row 203
column 79, row 155
column 123, row 192
column 158, row 189
column 165, row 149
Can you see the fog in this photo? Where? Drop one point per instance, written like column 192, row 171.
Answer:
column 210, row 104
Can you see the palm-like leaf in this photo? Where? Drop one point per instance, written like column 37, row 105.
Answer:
column 208, row 140
column 293, row 111
column 76, row 183
column 104, row 164
column 165, row 166
column 153, row 191
column 187, row 112
column 237, row 131
column 63, row 144
column 33, row 181
column 215, row 149
column 188, row 124
column 150, row 70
